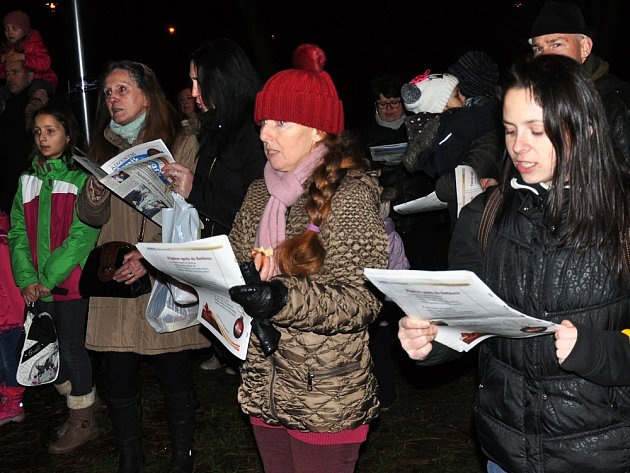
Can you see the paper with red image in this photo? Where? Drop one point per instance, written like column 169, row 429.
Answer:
column 210, row 267
column 463, row 307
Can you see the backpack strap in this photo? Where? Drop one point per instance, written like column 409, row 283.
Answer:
column 493, row 202
column 625, row 250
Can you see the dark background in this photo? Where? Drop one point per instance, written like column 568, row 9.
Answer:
column 362, row 39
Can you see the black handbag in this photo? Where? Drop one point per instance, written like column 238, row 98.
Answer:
column 98, row 272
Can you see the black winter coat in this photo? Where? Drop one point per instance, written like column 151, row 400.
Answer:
column 616, row 97
column 532, row 414
column 226, row 167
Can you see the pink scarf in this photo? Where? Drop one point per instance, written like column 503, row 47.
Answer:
column 285, row 189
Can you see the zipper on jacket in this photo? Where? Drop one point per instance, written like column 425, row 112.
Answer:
column 212, row 166
column 311, row 375
column 272, row 404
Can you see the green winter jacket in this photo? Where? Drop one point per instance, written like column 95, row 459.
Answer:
column 47, row 240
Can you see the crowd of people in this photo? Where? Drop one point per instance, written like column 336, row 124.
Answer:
column 307, row 204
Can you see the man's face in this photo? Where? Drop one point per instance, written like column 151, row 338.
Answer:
column 576, row 46
column 18, row 78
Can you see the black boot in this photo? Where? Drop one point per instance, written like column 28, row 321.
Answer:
column 180, row 416
column 127, row 425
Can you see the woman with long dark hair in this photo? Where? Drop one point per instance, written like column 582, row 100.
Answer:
column 556, row 250
column 224, row 84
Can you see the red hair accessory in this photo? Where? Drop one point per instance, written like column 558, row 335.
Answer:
column 420, row 77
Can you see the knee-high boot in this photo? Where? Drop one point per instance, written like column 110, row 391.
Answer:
column 180, row 416
column 127, row 425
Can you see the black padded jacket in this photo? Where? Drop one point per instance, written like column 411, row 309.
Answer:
column 532, row 414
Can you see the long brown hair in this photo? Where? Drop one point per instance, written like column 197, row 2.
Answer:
column 161, row 117
column 304, row 254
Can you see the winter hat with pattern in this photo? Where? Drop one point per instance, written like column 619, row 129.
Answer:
column 428, row 92
column 18, row 18
column 477, row 73
column 305, row 94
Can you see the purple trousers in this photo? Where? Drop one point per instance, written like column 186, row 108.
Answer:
column 282, row 453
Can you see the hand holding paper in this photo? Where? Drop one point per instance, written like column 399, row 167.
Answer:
column 416, row 336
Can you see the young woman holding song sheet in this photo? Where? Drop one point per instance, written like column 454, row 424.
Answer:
column 555, row 251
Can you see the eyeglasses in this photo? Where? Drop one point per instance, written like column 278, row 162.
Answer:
column 388, row 104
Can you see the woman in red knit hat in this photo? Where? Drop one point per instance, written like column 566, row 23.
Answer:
column 310, row 225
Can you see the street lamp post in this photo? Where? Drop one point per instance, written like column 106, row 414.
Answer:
column 81, row 86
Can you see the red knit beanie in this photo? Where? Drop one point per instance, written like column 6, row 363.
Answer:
column 18, row 18
column 305, row 95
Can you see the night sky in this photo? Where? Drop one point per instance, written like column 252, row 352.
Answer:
column 362, row 39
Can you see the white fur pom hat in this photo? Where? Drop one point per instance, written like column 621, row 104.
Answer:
column 428, row 92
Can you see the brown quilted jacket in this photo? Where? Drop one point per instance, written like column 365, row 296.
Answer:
column 320, row 379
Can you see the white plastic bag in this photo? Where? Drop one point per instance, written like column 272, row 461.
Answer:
column 173, row 305
column 39, row 356
column 179, row 225
column 165, row 315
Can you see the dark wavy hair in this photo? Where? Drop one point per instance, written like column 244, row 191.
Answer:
column 161, row 116
column 575, row 122
column 388, row 85
column 228, row 81
column 62, row 112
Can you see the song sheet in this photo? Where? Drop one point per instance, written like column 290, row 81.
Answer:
column 210, row 267
column 462, row 305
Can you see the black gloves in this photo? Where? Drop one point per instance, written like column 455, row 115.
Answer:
column 273, row 296
column 249, row 272
column 261, row 300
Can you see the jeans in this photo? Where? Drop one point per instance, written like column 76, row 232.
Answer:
column 494, row 468
column 8, row 358
column 74, row 362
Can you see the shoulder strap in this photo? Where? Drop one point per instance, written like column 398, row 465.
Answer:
column 143, row 225
column 493, row 202
column 625, row 250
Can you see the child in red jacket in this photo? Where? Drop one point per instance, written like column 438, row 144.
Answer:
column 25, row 44
column 11, row 322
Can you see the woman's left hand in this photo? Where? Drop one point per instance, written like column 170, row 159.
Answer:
column 132, row 268
column 181, row 177
column 566, row 337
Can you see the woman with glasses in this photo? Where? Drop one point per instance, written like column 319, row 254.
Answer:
column 387, row 127
column 389, row 117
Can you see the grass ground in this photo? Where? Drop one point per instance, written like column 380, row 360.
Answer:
column 428, row 430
